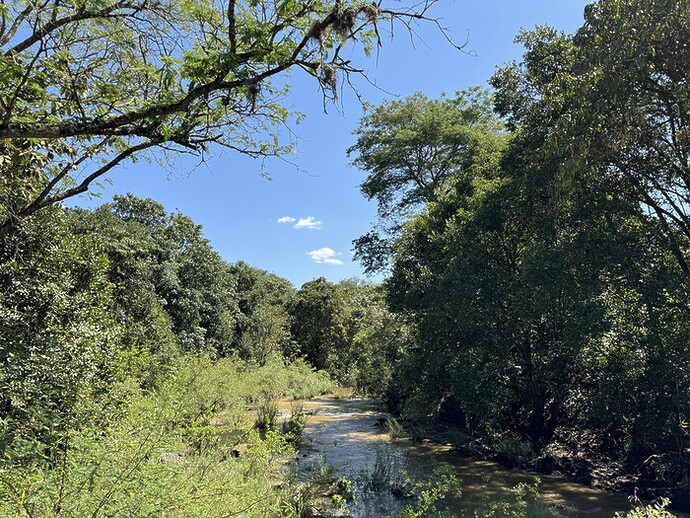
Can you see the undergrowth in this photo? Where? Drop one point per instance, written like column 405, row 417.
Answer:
column 160, row 453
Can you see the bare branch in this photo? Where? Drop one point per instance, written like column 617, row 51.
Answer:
column 5, row 37
column 62, row 174
column 11, row 222
column 232, row 34
column 81, row 15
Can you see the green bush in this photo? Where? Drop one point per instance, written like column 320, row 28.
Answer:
column 379, row 479
column 343, row 491
column 142, row 466
column 657, row 510
column 514, row 450
column 429, row 495
column 266, row 414
column 160, row 453
column 292, row 427
column 322, row 473
column 525, row 505
column 395, row 429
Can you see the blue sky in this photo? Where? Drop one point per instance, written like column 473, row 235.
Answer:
column 240, row 210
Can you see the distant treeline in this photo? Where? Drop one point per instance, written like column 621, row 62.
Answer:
column 128, row 291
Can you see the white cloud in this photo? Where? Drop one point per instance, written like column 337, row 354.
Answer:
column 309, row 222
column 324, row 256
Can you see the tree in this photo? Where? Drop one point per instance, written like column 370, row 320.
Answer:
column 378, row 338
column 606, row 111
column 59, row 340
column 266, row 333
column 320, row 316
column 615, row 100
column 520, row 300
column 506, row 281
column 87, row 85
column 166, row 276
column 346, row 329
column 411, row 150
column 263, row 319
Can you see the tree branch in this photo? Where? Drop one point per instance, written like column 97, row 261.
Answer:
column 232, row 34
column 20, row 86
column 79, row 16
column 4, row 38
column 44, row 200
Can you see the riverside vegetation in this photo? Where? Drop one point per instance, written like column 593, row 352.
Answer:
column 133, row 355
column 534, row 240
column 164, row 452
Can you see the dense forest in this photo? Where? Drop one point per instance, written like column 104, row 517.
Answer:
column 534, row 240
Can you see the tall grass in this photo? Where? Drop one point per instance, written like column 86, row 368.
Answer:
column 292, row 427
column 160, row 453
column 266, row 413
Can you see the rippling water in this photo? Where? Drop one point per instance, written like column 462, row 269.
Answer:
column 344, row 433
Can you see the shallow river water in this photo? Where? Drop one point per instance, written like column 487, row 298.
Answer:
column 345, row 433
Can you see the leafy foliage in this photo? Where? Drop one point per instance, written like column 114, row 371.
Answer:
column 161, row 454
column 88, row 86
column 544, row 279
column 347, row 329
column 60, row 342
column 263, row 322
column 411, row 149
column 161, row 261
column 431, row 493
column 615, row 95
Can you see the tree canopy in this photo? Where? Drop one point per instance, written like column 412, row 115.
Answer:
column 611, row 104
column 414, row 149
column 543, row 271
column 88, row 85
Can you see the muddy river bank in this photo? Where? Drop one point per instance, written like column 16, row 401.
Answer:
column 345, row 436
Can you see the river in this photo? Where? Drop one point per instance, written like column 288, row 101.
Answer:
column 346, row 433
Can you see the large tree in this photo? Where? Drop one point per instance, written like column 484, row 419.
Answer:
column 161, row 261
column 59, row 338
column 605, row 112
column 89, row 84
column 263, row 319
column 412, row 150
column 612, row 104
column 320, row 318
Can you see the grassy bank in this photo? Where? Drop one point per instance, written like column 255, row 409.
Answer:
column 160, row 453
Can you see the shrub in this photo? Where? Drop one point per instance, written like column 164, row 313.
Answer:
column 322, row 473
column 379, row 478
column 160, row 453
column 292, row 427
column 343, row 491
column 394, row 428
column 657, row 510
column 442, row 484
column 514, row 450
